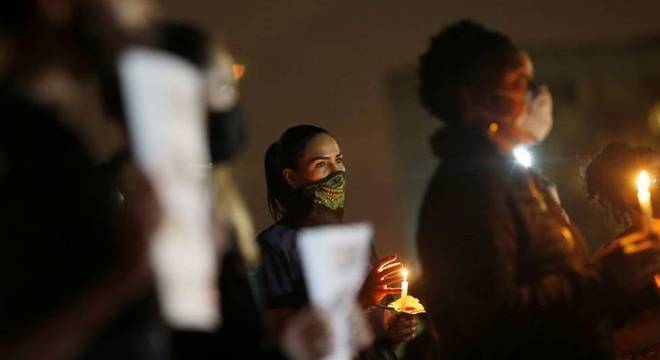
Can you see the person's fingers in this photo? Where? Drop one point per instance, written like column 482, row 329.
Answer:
column 386, row 262
column 405, row 328
column 400, row 318
column 633, row 237
column 409, row 336
column 308, row 335
column 406, row 323
column 395, row 279
column 410, row 329
column 388, row 290
column 408, row 332
column 392, row 270
column 317, row 324
column 403, row 321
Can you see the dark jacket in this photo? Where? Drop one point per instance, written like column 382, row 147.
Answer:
column 285, row 283
column 282, row 268
column 506, row 273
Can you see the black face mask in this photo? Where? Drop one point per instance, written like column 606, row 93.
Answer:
column 226, row 134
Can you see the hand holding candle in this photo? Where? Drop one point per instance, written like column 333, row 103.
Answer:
column 644, row 198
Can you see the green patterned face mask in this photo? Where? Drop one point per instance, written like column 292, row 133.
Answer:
column 328, row 192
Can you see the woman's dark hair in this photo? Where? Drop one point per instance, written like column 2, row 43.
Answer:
column 609, row 176
column 462, row 54
column 285, row 154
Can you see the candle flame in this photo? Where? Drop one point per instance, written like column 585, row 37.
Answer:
column 404, row 272
column 644, row 198
column 643, row 181
column 239, row 71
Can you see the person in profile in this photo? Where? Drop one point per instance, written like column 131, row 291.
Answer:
column 506, row 274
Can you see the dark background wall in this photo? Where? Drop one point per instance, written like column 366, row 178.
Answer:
column 332, row 63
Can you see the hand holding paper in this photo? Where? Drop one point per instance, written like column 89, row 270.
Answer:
column 335, row 261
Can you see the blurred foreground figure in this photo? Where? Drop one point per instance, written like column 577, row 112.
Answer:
column 237, row 294
column 506, row 274
column 610, row 183
column 244, row 332
column 74, row 278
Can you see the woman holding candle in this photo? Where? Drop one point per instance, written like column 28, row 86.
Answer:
column 610, row 183
column 506, row 274
column 305, row 176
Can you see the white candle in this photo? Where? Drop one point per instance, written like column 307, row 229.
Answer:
column 644, row 198
column 404, row 288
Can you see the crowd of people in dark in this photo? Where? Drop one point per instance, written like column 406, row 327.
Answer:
column 506, row 273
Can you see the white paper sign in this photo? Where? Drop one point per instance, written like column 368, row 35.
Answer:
column 164, row 99
column 335, row 261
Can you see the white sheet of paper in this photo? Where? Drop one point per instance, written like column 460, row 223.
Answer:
column 335, row 260
column 164, row 100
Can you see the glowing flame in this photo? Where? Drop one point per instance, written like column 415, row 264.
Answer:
column 644, row 198
column 239, row 71
column 643, row 181
column 404, row 272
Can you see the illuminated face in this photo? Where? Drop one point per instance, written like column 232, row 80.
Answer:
column 500, row 95
column 515, row 85
column 509, row 99
column 322, row 157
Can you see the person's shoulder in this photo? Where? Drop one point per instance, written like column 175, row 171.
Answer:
column 276, row 235
column 462, row 177
column 277, row 228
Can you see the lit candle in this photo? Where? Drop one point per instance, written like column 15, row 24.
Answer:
column 644, row 198
column 404, row 288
